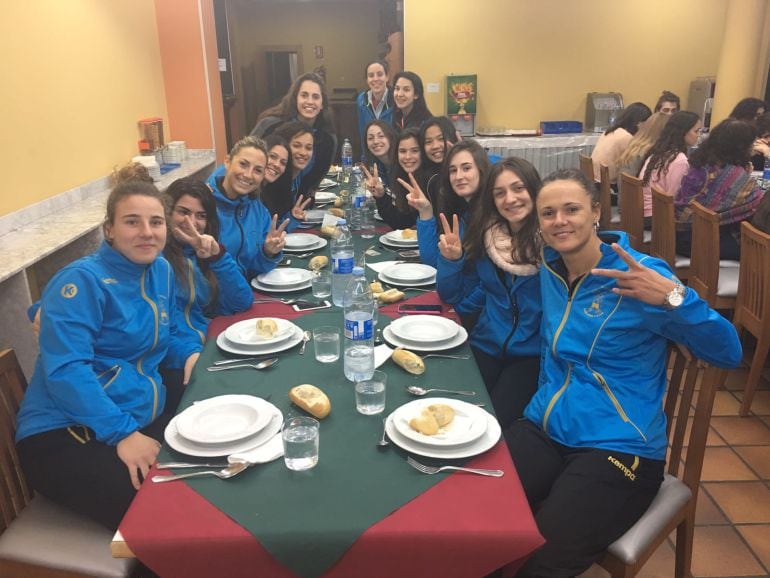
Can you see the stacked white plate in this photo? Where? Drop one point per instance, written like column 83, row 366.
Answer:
column 471, row 432
column 314, row 216
column 241, row 338
column 324, row 198
column 397, row 240
column 425, row 333
column 223, row 425
column 409, row 274
column 301, row 242
column 283, row 280
column 325, row 184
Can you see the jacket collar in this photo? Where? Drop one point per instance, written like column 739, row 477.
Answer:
column 608, row 254
column 118, row 262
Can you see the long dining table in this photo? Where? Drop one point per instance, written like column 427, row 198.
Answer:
column 362, row 511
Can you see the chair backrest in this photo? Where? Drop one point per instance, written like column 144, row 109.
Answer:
column 663, row 241
column 704, row 259
column 684, row 380
column 631, row 205
column 605, row 197
column 587, row 167
column 15, row 493
column 752, row 304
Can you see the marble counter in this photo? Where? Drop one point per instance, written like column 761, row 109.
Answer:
column 38, row 240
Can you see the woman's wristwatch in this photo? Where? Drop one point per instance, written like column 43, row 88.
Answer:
column 675, row 297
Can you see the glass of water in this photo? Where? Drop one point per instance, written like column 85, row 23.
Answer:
column 300, row 443
column 370, row 394
column 321, row 282
column 326, row 343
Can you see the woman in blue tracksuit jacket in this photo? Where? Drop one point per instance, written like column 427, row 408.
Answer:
column 591, row 450
column 246, row 229
column 375, row 103
column 208, row 282
column 498, row 257
column 91, row 420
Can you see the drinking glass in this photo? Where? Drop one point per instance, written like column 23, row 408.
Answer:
column 370, row 394
column 321, row 282
column 300, row 443
column 326, row 343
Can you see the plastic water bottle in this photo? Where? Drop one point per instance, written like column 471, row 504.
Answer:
column 342, row 261
column 347, row 159
column 766, row 171
column 358, row 361
column 359, row 204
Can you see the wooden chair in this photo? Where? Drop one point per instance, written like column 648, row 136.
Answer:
column 716, row 283
column 587, row 167
column 610, row 218
column 752, row 306
column 663, row 239
column 674, row 505
column 631, row 204
column 39, row 539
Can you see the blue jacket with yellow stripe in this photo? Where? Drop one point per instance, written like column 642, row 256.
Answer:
column 106, row 325
column 603, row 370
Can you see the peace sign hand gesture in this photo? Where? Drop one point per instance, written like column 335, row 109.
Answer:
column 205, row 246
column 416, row 198
column 639, row 282
column 373, row 182
column 275, row 238
column 449, row 242
column 298, row 210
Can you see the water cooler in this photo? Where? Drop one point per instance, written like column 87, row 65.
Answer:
column 602, row 108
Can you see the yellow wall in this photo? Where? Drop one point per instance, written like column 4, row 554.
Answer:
column 77, row 75
column 537, row 59
column 346, row 49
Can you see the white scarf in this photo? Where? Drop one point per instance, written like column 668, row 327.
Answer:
column 499, row 246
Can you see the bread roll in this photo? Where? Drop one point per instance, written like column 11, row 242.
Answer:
column 391, row 296
column 425, row 423
column 266, row 328
column 311, row 399
column 337, row 212
column 408, row 234
column 328, row 230
column 443, row 413
column 318, row 262
column 412, row 362
column 376, row 287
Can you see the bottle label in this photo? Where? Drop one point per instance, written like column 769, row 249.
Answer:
column 343, row 265
column 359, row 201
column 359, row 329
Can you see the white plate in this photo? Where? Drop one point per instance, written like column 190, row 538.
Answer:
column 284, row 277
column 482, row 444
column 269, row 289
column 314, row 215
column 184, row 446
column 325, row 184
column 245, row 332
column 226, row 345
column 468, row 425
column 459, row 339
column 377, row 215
column 300, row 240
column 395, row 238
column 319, row 245
column 224, row 419
column 424, row 328
column 390, row 281
column 410, row 272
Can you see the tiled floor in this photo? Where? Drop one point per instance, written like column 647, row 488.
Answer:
column 732, row 537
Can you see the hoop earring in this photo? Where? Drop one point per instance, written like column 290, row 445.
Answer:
column 596, row 227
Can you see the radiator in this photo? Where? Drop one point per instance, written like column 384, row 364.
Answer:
column 546, row 153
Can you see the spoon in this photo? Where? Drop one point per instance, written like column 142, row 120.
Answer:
column 384, row 440
column 306, row 336
column 261, row 365
column 228, row 472
column 417, row 390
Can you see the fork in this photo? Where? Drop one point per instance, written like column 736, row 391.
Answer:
column 434, row 470
column 228, row 472
column 275, row 300
column 446, row 356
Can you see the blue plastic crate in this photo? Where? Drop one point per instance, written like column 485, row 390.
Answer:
column 560, row 126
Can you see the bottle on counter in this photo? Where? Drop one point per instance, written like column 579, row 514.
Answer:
column 358, row 360
column 341, row 247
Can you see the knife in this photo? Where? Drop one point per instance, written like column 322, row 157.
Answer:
column 167, row 465
column 242, row 359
